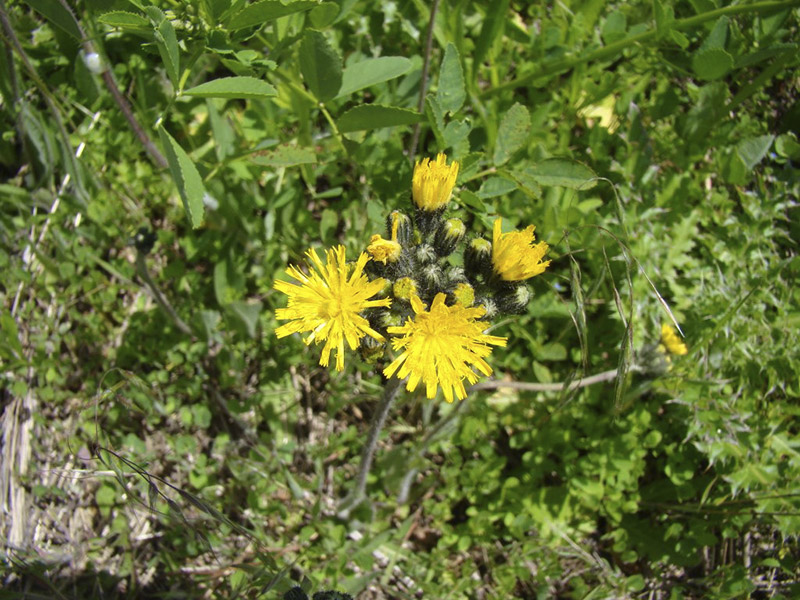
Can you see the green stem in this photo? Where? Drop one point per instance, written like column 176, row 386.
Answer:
column 566, row 64
column 358, row 494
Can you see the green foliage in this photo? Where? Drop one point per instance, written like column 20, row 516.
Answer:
column 653, row 145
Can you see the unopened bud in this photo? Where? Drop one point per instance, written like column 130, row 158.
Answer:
column 513, row 299
column 463, row 294
column 478, row 260
column 404, row 288
column 399, row 227
column 449, row 234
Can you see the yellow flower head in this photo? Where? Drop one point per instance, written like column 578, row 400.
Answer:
column 514, row 255
column 328, row 302
column 672, row 343
column 433, row 182
column 440, row 346
column 383, row 250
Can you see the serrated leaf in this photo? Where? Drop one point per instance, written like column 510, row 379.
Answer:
column 456, row 136
column 246, row 314
column 186, row 178
column 320, row 65
column 324, row 14
column 124, row 20
column 527, row 182
column 167, row 43
column 712, row 63
column 58, row 15
column 435, row 118
column 259, row 13
column 233, row 87
column 451, row 93
column 512, row 134
column 285, row 156
column 753, row 150
column 371, row 72
column 563, row 172
column 615, row 27
column 718, row 36
column 376, row 116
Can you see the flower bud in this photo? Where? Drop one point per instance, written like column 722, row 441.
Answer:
column 399, row 227
column 463, row 294
column 405, row 288
column 432, row 277
column 449, row 234
column 478, row 260
column 371, row 350
column 513, row 299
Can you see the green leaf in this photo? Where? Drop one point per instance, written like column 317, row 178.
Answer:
column 753, row 150
column 563, row 172
column 496, row 14
column 186, row 177
column 167, row 43
column 285, row 156
column 712, row 63
column 320, row 65
column 324, row 14
column 496, row 186
column 664, row 17
column 451, row 93
column 456, row 136
column 512, row 134
column 58, row 15
column 615, row 27
column 435, row 116
column 372, row 71
column 124, row 20
column 376, row 116
column 233, row 87
column 718, row 36
column 267, row 10
column 246, row 315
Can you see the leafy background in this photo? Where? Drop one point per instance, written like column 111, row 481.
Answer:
column 162, row 164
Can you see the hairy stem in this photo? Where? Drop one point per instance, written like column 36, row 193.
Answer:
column 358, row 494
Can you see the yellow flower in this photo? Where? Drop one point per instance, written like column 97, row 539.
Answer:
column 671, row 341
column 383, row 250
column 514, row 255
column 433, row 182
column 328, row 302
column 440, row 347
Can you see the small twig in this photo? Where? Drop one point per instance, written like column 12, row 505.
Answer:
column 124, row 106
column 548, row 387
column 358, row 494
column 426, row 61
column 141, row 269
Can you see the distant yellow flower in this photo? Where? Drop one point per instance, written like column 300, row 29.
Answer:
column 440, row 347
column 328, row 302
column 386, row 250
column 671, row 342
column 514, row 255
column 433, row 182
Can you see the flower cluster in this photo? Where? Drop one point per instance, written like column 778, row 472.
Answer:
column 407, row 289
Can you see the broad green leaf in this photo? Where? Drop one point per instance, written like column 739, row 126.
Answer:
column 324, row 14
column 496, row 186
column 58, row 15
column 472, row 200
column 369, row 72
column 712, row 63
column 267, row 10
column 451, row 93
column 527, row 182
column 376, row 116
column 615, row 27
column 456, row 136
column 753, row 150
column 787, row 146
column 285, row 156
column 718, row 36
column 184, row 173
column 246, row 315
column 233, row 87
column 216, row 8
column 124, row 20
column 563, row 172
column 320, row 65
column 512, row 134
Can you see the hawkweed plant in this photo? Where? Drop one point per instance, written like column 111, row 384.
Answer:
column 403, row 302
